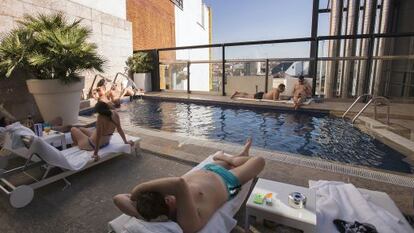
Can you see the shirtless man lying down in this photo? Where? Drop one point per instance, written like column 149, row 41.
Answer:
column 274, row 94
column 190, row 200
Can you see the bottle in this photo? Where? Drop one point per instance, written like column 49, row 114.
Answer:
column 30, row 122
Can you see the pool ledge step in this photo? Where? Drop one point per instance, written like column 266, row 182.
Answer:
column 382, row 133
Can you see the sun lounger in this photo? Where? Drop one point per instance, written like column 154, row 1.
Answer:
column 337, row 200
column 69, row 161
column 307, row 102
column 221, row 222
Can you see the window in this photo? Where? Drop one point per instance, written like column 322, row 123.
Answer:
column 178, row 3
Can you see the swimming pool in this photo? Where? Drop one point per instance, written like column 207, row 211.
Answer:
column 311, row 134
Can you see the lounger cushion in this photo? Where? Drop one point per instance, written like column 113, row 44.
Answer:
column 222, row 220
column 75, row 158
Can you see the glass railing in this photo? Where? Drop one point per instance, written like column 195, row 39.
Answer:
column 343, row 66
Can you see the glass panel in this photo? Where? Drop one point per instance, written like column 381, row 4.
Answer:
column 201, row 77
column 173, row 77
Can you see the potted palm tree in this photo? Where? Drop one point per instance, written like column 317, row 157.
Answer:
column 52, row 53
column 140, row 64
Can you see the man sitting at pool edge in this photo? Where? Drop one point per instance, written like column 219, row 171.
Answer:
column 190, row 200
column 301, row 92
column 274, row 94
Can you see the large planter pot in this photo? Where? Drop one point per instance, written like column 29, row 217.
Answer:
column 143, row 81
column 55, row 99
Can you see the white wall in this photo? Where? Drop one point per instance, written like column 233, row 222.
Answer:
column 112, row 35
column 193, row 29
column 115, row 8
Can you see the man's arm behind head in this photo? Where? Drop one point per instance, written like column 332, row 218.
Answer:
column 125, row 205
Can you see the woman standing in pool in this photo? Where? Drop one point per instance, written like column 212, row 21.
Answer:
column 106, row 123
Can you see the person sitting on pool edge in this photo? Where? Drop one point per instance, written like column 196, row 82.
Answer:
column 190, row 200
column 301, row 92
column 106, row 123
column 101, row 94
column 274, row 94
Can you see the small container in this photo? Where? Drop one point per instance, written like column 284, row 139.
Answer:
column 297, row 200
column 38, row 129
column 268, row 201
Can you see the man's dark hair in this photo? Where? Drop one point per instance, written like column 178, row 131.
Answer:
column 104, row 109
column 3, row 122
column 101, row 83
column 301, row 77
column 282, row 85
column 150, row 205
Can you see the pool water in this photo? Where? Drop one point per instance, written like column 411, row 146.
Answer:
column 309, row 134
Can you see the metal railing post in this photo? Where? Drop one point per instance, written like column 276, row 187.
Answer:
column 223, row 77
column 188, row 78
column 267, row 76
column 315, row 65
column 157, row 79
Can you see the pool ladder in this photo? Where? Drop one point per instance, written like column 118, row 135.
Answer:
column 372, row 100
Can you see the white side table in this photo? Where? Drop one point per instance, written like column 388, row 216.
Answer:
column 55, row 138
column 280, row 212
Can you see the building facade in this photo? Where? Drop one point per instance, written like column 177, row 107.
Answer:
column 390, row 71
column 164, row 24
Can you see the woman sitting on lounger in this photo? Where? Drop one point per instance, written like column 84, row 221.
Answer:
column 274, row 94
column 106, row 123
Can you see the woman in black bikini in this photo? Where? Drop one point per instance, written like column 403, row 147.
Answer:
column 106, row 123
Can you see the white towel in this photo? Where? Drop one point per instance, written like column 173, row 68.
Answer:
column 337, row 200
column 15, row 131
column 306, row 102
column 73, row 158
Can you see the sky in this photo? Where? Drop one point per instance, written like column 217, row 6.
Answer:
column 246, row 20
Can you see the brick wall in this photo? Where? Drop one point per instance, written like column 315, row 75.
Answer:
column 153, row 24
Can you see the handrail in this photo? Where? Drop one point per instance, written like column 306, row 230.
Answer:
column 353, row 104
column 93, row 83
column 374, row 100
column 119, row 73
column 134, row 87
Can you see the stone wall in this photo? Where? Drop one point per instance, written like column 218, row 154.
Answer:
column 113, row 36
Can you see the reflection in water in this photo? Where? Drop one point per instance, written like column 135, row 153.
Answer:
column 316, row 135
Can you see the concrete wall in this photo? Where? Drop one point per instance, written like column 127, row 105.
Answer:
column 400, row 69
column 246, row 84
column 192, row 28
column 112, row 35
column 115, row 8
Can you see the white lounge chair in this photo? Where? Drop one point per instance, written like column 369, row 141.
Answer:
column 43, row 155
column 222, row 220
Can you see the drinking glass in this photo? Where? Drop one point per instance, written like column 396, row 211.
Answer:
column 47, row 127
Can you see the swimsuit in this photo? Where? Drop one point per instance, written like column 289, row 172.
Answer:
column 230, row 180
column 258, row 95
column 93, row 145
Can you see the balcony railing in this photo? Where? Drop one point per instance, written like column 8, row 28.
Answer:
column 352, row 74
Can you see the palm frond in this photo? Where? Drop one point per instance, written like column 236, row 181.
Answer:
column 49, row 47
